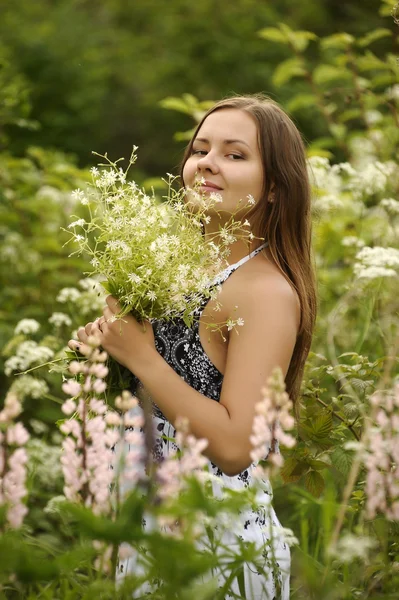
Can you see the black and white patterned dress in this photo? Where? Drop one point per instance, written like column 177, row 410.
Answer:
column 181, row 348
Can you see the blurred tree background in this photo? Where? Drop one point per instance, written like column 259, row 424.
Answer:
column 92, row 75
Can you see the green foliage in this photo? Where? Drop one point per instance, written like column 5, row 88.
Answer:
column 84, row 74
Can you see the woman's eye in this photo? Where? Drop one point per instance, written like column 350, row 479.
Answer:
column 236, row 156
column 202, row 152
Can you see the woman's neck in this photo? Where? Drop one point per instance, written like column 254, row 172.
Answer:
column 243, row 245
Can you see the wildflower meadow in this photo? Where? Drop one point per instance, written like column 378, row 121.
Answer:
column 77, row 473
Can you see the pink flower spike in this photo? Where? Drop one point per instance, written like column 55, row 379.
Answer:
column 17, row 435
column 69, row 407
column 99, row 386
column 72, row 388
column 75, row 367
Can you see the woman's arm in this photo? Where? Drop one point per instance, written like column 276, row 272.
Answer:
column 266, row 340
column 269, row 308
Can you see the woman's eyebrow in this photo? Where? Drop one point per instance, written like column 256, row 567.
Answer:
column 206, row 141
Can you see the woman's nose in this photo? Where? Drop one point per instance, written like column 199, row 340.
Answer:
column 208, row 162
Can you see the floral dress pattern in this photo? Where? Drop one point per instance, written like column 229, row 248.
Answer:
column 182, row 349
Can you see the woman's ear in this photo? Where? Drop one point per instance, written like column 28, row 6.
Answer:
column 271, row 197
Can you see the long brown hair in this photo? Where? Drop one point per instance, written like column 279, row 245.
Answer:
column 286, row 222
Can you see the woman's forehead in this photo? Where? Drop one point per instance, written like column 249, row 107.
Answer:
column 229, row 123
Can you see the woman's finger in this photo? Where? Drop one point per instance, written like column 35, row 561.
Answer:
column 78, row 347
column 98, row 327
column 88, row 328
column 82, row 335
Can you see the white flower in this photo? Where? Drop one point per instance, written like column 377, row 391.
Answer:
column 352, row 240
column 351, row 547
column 240, row 321
column 28, row 386
column 251, row 199
column 390, row 205
column 28, row 353
column 134, row 278
column 78, row 223
column 283, row 532
column 79, row 196
column 393, row 92
column 27, row 326
column 230, row 324
column 376, row 262
column 151, row 295
column 68, row 295
column 58, row 319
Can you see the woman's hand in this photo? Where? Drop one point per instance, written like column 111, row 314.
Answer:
column 126, row 340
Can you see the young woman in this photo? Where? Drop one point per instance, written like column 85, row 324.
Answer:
column 244, row 146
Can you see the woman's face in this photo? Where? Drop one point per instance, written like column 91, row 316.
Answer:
column 226, row 155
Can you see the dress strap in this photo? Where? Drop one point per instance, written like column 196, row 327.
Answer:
column 223, row 275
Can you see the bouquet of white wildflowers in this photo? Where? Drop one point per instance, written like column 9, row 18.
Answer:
column 148, row 253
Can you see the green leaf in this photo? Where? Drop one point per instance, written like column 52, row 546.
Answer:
column 370, row 62
column 373, row 36
column 301, row 101
column 383, row 80
column 288, row 69
column 318, row 465
column 173, row 103
column 184, row 136
column 287, row 470
column 273, row 35
column 337, row 41
column 338, row 130
column 348, row 115
column 322, row 425
column 298, row 39
column 314, row 483
column 341, row 460
column 328, row 73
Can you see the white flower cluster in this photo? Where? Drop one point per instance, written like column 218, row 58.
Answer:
column 376, row 262
column 27, row 326
column 352, row 547
column 152, row 256
column 372, row 178
column 44, row 463
column 68, row 295
column 28, row 386
column 390, row 205
column 90, row 300
column 326, row 182
column 352, row 241
column 336, row 185
column 58, row 319
column 28, row 353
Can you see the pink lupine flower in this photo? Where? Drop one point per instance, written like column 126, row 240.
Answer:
column 113, row 419
column 69, row 407
column 17, row 435
column 381, row 456
column 271, row 418
column 13, row 463
column 12, row 408
column 75, row 367
column 99, row 370
column 97, row 406
column 172, row 472
column 87, row 457
column 99, row 386
column 72, row 388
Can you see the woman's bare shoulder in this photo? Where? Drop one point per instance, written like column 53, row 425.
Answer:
column 260, row 282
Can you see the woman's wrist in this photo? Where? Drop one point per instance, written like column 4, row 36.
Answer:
column 143, row 364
